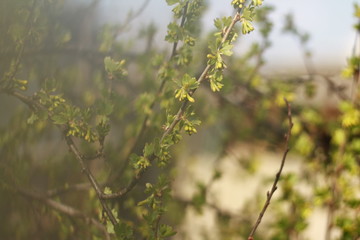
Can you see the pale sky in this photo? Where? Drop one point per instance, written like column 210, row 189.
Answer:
column 329, row 23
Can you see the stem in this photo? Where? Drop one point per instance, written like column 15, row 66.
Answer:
column 278, row 174
column 29, row 24
column 202, row 77
column 91, row 178
column 144, row 124
column 356, row 75
column 35, row 105
column 177, row 118
column 66, row 209
column 130, row 17
column 76, row 187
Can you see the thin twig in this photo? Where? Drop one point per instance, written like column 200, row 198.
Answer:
column 76, row 187
column 337, row 89
column 35, row 105
column 176, row 120
column 130, row 17
column 66, row 209
column 202, row 77
column 144, row 124
column 29, row 24
column 91, row 178
column 278, row 174
column 331, row 209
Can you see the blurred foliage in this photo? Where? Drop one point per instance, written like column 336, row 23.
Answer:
column 127, row 109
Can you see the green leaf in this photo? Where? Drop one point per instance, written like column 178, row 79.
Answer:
column 59, row 119
column 33, row 117
column 222, row 23
column 115, row 68
column 148, row 149
column 124, row 232
column 166, row 231
column 171, row 2
column 199, row 199
column 227, row 49
column 107, row 190
column 143, row 202
column 109, row 64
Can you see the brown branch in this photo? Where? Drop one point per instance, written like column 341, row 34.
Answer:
column 91, row 178
column 331, row 209
column 337, row 89
column 278, row 174
column 65, row 209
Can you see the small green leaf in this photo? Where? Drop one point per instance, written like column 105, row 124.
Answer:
column 107, row 190
column 33, row 117
column 171, row 2
column 226, row 49
column 148, row 149
column 59, row 119
column 114, row 68
column 199, row 199
column 124, row 232
column 166, row 231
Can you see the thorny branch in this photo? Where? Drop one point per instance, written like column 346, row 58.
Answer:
column 278, row 174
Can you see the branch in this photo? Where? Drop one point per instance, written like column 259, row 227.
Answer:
column 28, row 25
column 176, row 120
column 66, row 209
column 130, row 17
column 35, row 105
column 337, row 89
column 202, row 77
column 278, row 174
column 62, row 190
column 144, row 124
column 91, row 178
